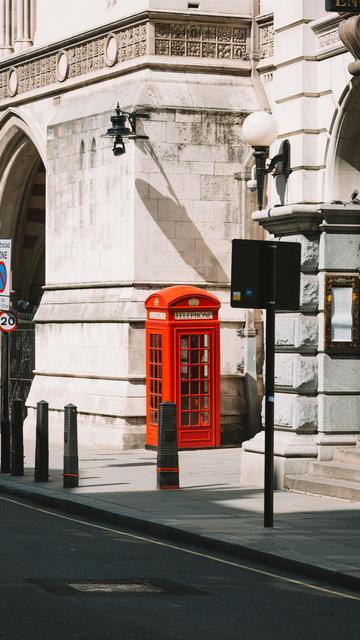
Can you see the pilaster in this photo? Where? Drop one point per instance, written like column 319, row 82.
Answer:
column 317, row 393
column 5, row 28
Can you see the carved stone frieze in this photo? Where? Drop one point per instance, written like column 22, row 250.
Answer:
column 329, row 39
column 201, row 41
column 266, row 40
column 217, row 41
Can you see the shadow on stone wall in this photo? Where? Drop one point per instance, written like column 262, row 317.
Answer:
column 210, row 270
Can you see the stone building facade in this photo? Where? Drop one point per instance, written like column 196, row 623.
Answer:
column 93, row 234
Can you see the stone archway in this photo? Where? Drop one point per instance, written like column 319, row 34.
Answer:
column 22, row 218
column 346, row 172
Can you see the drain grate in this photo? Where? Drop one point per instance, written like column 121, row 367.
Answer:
column 144, row 586
column 105, row 587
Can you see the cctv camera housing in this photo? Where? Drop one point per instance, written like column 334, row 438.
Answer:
column 251, row 185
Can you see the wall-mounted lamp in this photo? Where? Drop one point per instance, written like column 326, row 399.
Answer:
column 260, row 131
column 120, row 131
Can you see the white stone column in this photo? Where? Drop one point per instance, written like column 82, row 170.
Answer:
column 23, row 25
column 5, row 28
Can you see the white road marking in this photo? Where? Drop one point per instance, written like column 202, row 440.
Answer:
column 159, row 543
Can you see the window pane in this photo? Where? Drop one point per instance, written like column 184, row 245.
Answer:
column 204, row 402
column 194, row 419
column 204, row 386
column 194, row 372
column 194, row 403
column 184, row 371
column 185, row 403
column 194, row 388
column 184, row 419
column 194, row 355
column 205, row 417
column 184, row 355
column 184, row 388
column 204, row 355
column 204, row 341
column 184, row 342
column 194, row 341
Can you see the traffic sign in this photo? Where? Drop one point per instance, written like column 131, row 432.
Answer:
column 8, row 321
column 5, row 268
column 3, row 276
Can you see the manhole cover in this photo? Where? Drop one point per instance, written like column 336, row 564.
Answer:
column 143, row 586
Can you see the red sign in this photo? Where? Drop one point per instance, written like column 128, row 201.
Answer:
column 8, row 321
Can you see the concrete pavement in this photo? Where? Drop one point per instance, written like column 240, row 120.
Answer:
column 312, row 535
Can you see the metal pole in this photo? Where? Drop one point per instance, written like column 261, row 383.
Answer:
column 5, row 422
column 42, row 442
column 269, row 392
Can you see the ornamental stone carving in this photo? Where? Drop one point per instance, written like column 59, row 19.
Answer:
column 349, row 32
column 13, row 81
column 200, row 41
column 62, row 65
column 266, row 40
column 111, row 49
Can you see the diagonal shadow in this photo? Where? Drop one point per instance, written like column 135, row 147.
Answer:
column 211, row 269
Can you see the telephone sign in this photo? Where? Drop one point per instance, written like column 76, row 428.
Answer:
column 8, row 321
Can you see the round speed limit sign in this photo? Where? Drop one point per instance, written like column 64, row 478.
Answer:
column 8, row 321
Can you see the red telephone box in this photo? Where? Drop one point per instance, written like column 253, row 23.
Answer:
column 183, row 364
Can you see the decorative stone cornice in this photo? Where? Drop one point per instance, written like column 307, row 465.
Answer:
column 290, row 219
column 327, row 31
column 160, row 36
column 310, row 218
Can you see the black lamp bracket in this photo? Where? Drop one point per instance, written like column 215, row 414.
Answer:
column 131, row 116
column 280, row 164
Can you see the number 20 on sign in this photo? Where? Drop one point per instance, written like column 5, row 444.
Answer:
column 8, row 321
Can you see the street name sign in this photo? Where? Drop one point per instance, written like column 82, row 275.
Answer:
column 5, row 270
column 8, row 321
column 252, row 274
column 348, row 6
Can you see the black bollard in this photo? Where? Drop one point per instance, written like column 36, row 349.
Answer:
column 42, row 442
column 167, row 455
column 71, row 461
column 17, row 444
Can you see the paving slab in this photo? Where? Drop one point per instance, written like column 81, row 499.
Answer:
column 313, row 535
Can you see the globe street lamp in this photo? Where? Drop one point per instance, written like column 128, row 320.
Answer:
column 260, row 130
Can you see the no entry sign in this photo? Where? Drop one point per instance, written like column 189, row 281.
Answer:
column 8, row 321
column 5, row 267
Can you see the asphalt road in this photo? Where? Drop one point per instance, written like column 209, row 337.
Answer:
column 63, row 578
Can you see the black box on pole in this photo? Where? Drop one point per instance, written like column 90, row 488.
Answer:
column 167, row 455
column 17, row 444
column 71, row 461
column 42, row 442
column 251, row 274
